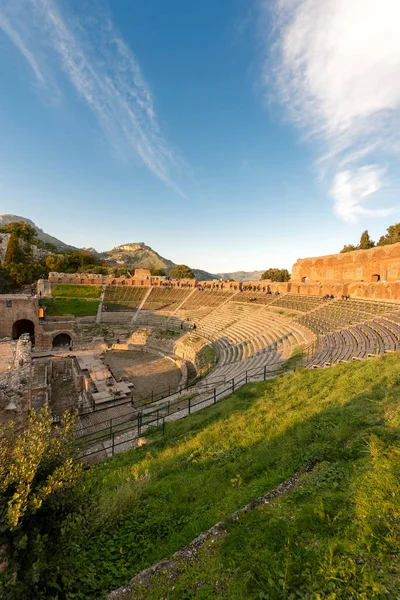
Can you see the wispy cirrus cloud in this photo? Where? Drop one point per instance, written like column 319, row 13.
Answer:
column 336, row 67
column 105, row 73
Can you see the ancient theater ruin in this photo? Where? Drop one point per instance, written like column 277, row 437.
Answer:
column 154, row 343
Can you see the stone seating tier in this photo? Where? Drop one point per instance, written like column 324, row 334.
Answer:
column 118, row 299
column 166, row 299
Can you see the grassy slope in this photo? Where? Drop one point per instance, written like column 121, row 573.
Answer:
column 338, row 533
column 80, row 307
column 75, row 291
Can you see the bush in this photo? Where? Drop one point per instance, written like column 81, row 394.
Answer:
column 37, row 478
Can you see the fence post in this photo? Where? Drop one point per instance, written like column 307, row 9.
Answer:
column 215, row 395
column 158, row 411
column 169, row 402
column 113, row 436
column 139, row 424
column 110, row 428
column 169, row 389
column 246, row 376
column 265, row 372
column 152, row 395
column 189, row 405
column 163, row 426
column 233, row 385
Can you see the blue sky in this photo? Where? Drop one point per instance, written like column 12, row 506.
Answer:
column 229, row 135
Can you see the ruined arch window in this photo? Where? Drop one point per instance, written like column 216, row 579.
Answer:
column 82, row 281
column 375, row 278
column 304, row 279
column 23, row 326
column 8, row 303
column 62, row 340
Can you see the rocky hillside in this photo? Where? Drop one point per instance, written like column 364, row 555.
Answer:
column 45, row 237
column 133, row 255
column 136, row 255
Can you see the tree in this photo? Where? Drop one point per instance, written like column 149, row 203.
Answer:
column 14, row 254
column 158, row 272
column 348, row 248
column 182, row 272
column 22, row 230
column 79, row 260
column 38, row 472
column 7, row 283
column 365, row 241
column 56, row 263
column 276, row 275
column 391, row 237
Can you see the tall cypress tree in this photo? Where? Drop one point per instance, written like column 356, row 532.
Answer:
column 14, row 253
column 365, row 241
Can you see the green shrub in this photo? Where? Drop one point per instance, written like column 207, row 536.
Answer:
column 38, row 472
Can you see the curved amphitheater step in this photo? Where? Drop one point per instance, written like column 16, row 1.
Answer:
column 353, row 329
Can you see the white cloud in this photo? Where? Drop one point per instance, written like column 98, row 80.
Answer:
column 337, row 69
column 18, row 42
column 351, row 188
column 102, row 69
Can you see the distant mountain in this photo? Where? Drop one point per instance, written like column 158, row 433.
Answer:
column 242, row 275
column 137, row 255
column 133, row 255
column 45, row 237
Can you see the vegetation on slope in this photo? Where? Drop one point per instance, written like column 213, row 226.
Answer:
column 38, row 472
column 336, row 535
column 64, row 290
column 28, row 258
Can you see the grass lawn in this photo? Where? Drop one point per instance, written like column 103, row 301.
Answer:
column 336, row 535
column 80, row 307
column 65, row 290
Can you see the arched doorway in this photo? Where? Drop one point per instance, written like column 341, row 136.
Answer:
column 23, row 326
column 62, row 340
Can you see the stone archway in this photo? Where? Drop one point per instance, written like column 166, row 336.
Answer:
column 23, row 326
column 62, row 340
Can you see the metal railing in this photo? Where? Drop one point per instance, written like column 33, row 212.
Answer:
column 139, row 421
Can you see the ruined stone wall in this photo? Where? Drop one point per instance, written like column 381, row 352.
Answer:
column 377, row 264
column 43, row 288
column 76, row 278
column 15, row 397
column 14, row 307
column 4, row 239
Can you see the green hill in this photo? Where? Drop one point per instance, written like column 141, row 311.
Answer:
column 45, row 237
column 334, row 532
